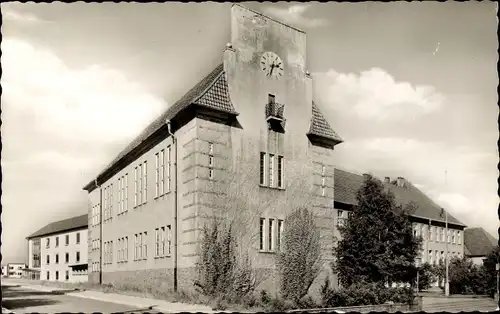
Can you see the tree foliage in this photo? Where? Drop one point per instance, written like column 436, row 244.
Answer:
column 377, row 242
column 427, row 276
column 221, row 274
column 299, row 259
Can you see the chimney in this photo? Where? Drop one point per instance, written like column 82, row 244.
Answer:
column 387, row 180
column 400, row 182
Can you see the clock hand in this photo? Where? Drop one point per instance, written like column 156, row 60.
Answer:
column 272, row 68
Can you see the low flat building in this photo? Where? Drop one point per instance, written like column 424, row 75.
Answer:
column 13, row 270
column 478, row 244
column 59, row 251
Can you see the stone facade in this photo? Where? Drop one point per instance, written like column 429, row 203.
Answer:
column 219, row 169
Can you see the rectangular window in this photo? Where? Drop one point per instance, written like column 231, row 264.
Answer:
column 162, row 172
column 136, row 246
column 48, row 259
column 340, row 218
column 145, row 182
column 169, row 160
column 157, row 174
column 263, row 168
column 67, row 258
column 67, row 239
column 105, row 203
column 453, row 237
column 120, row 195
column 57, row 258
column 111, row 252
column 280, row 234
column 211, row 148
column 78, row 238
column 48, row 275
column 271, row 235
column 145, row 245
column 162, row 242
column 139, row 170
column 459, row 241
column 262, row 234
column 430, row 257
column 157, row 242
column 57, row 241
column 281, row 171
column 67, row 275
column 210, row 173
column 77, row 257
column 48, row 243
column 210, row 161
column 111, row 201
column 169, row 240
column 125, row 206
column 136, row 187
column 430, row 233
column 126, row 249
column 271, row 170
column 57, row 275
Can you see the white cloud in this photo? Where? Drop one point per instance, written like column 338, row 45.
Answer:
column 10, row 14
column 468, row 190
column 375, row 94
column 59, row 127
column 295, row 15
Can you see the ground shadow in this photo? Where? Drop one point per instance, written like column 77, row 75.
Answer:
column 15, row 292
column 24, row 303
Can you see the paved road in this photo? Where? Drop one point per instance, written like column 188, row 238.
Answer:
column 21, row 299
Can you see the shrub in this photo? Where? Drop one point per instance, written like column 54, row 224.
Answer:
column 299, row 258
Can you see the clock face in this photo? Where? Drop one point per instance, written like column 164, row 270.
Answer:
column 272, row 65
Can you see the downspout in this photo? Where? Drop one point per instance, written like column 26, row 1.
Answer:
column 100, row 232
column 174, row 142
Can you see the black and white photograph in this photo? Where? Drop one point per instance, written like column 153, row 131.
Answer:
column 249, row 157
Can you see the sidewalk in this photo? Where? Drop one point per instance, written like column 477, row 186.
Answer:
column 138, row 302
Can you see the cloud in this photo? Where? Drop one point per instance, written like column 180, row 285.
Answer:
column 468, row 190
column 295, row 15
column 60, row 126
column 375, row 94
column 10, row 14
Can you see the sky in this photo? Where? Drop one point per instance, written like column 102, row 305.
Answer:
column 410, row 87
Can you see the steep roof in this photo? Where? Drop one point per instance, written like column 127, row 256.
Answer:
column 321, row 127
column 211, row 92
column 347, row 184
column 78, row 222
column 478, row 242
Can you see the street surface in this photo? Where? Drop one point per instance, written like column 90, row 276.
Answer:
column 21, row 299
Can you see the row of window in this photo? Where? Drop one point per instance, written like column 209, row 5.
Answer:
column 123, row 194
column 271, row 233
column 95, row 267
column 272, row 170
column 96, row 244
column 108, row 202
column 67, row 258
column 96, row 214
column 163, row 159
column 57, row 275
column 434, row 256
column 108, row 253
column 437, row 234
column 66, row 240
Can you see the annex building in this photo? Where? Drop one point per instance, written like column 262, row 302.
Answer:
column 58, row 251
column 247, row 142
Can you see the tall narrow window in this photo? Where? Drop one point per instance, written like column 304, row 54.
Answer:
column 459, row 241
column 77, row 257
column 271, row 170
column 157, row 174
column 126, row 248
column 162, row 241
column 145, row 182
column 157, row 242
column 126, row 192
column 271, row 234
column 262, row 233
column 169, row 160
column 323, row 180
column 169, row 240
column 136, row 187
column 211, row 148
column 281, row 171
column 111, row 252
column 111, row 201
column 67, row 239
column 136, row 246
column 340, row 218
column 280, row 234
column 120, row 196
column 145, row 245
column 263, row 168
column 162, row 171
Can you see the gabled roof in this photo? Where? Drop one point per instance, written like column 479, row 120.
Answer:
column 347, row 184
column 320, row 127
column 78, row 222
column 478, row 242
column 211, row 92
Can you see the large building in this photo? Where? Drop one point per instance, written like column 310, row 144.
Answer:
column 429, row 219
column 58, row 251
column 248, row 142
column 478, row 244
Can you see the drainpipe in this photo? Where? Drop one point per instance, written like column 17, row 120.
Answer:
column 174, row 141
column 100, row 232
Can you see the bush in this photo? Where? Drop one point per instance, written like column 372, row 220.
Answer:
column 299, row 258
column 365, row 294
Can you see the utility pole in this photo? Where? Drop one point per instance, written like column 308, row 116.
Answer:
column 447, row 284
